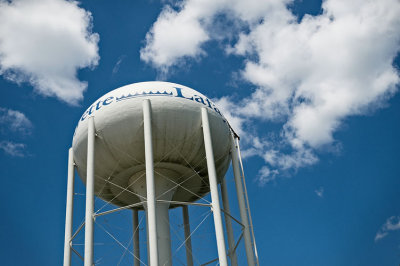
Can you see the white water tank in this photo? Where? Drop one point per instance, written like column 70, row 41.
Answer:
column 178, row 146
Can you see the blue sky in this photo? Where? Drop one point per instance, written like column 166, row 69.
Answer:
column 312, row 88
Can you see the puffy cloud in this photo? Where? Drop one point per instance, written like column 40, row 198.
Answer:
column 45, row 42
column 14, row 121
column 180, row 32
column 391, row 224
column 325, row 68
column 282, row 162
column 267, row 175
column 13, row 149
column 308, row 75
column 175, row 35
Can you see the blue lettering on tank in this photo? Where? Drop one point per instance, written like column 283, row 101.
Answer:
column 177, row 92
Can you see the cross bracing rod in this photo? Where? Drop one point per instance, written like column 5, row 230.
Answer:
column 233, row 218
column 120, row 209
column 237, row 242
column 77, row 231
column 211, row 261
column 77, row 253
column 184, row 203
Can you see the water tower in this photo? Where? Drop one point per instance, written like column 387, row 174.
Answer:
column 153, row 146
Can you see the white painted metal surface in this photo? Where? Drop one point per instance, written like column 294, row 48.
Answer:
column 89, row 220
column 69, row 209
column 212, row 177
column 247, row 202
column 150, row 186
column 188, row 240
column 149, row 138
column 228, row 223
column 136, row 243
column 242, row 204
column 177, row 139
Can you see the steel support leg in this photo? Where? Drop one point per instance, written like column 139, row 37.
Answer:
column 69, row 209
column 228, row 222
column 136, row 246
column 212, row 176
column 89, row 219
column 247, row 202
column 188, row 241
column 150, row 186
column 242, row 204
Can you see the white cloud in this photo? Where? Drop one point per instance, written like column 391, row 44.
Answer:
column 45, row 43
column 267, row 175
column 176, row 34
column 118, row 64
column 236, row 123
column 180, row 32
column 308, row 76
column 320, row 192
column 391, row 224
column 13, row 149
column 14, row 121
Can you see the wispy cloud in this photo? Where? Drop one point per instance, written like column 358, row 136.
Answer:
column 45, row 43
column 308, row 76
column 319, row 192
column 14, row 121
column 118, row 64
column 391, row 224
column 13, row 124
column 13, row 149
